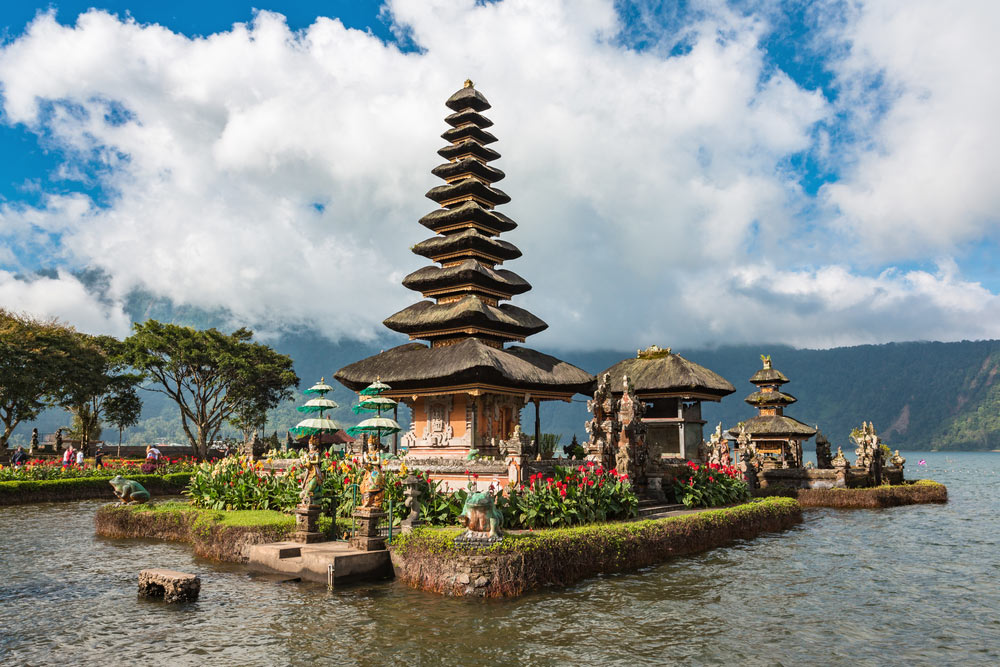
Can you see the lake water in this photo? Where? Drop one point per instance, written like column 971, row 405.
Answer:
column 908, row 585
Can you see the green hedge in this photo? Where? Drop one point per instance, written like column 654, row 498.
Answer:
column 429, row 558
column 79, row 488
column 908, row 493
column 225, row 535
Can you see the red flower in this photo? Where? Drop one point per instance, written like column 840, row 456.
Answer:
column 711, row 479
column 562, row 492
column 475, row 476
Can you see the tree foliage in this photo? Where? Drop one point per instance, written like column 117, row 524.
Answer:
column 210, row 375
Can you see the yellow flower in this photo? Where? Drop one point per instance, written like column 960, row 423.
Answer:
column 402, row 468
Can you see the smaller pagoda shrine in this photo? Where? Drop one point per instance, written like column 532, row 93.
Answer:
column 776, row 437
column 672, row 389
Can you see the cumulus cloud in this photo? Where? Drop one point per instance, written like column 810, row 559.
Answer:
column 65, row 298
column 279, row 175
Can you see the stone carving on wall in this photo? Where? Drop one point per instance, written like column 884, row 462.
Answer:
column 823, row 457
column 840, row 461
column 868, row 443
column 518, row 444
column 601, row 428
column 897, row 460
column 748, row 459
column 631, row 454
column 718, row 448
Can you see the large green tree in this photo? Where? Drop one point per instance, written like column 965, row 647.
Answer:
column 102, row 373
column 122, row 410
column 208, row 374
column 41, row 364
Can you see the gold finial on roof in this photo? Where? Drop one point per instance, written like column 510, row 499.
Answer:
column 322, row 380
column 467, row 84
column 652, row 352
column 766, row 358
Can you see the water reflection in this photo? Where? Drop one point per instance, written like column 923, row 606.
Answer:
column 897, row 586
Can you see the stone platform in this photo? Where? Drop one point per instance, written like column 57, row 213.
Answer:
column 311, row 561
column 170, row 585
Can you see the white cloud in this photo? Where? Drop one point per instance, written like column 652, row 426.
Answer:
column 64, row 298
column 649, row 188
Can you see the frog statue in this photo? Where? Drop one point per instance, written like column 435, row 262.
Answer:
column 481, row 518
column 129, row 491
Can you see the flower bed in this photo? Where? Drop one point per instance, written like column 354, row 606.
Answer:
column 39, row 469
column 710, row 485
column 910, row 493
column 80, row 488
column 429, row 559
column 568, row 496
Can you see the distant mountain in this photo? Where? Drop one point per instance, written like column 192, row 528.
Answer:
column 920, row 395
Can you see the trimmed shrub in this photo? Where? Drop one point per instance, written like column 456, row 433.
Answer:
column 915, row 493
column 81, row 488
column 430, row 559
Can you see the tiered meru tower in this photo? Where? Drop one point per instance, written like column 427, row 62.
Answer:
column 776, row 435
column 465, row 388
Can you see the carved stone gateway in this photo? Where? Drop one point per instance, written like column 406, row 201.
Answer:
column 631, row 455
column 823, row 456
column 602, row 427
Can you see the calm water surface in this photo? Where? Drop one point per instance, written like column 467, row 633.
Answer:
column 909, row 585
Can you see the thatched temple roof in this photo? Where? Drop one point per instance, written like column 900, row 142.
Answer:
column 774, row 425
column 471, row 361
column 761, row 398
column 657, row 371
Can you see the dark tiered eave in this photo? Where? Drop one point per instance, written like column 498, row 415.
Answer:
column 469, row 273
column 468, row 117
column 768, row 376
column 766, row 398
column 467, row 189
column 469, row 315
column 774, row 426
column 466, row 215
column 466, row 168
column 469, row 242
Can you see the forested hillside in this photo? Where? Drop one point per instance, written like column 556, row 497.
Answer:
column 920, row 395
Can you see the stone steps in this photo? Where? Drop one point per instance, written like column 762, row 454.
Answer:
column 312, row 561
column 648, row 508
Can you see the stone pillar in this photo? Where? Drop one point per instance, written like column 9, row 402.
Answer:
column 367, row 537
column 305, row 524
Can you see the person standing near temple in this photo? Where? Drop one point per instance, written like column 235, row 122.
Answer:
column 99, row 457
column 79, row 457
column 19, row 458
column 67, row 457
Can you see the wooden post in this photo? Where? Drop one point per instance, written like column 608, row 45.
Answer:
column 538, row 429
column 395, row 436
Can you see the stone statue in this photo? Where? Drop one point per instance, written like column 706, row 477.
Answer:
column 288, row 442
column 897, row 460
column 411, row 498
column 823, row 457
column 59, row 440
column 748, row 459
column 602, row 429
column 129, row 491
column 718, row 448
column 312, row 483
column 631, row 455
column 372, row 485
column 34, row 441
column 481, row 518
column 518, row 444
column 840, row 461
column 870, row 455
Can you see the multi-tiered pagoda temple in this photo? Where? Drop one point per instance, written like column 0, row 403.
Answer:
column 776, row 436
column 466, row 385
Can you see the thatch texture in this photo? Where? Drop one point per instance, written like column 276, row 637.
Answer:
column 466, row 272
column 416, row 366
column 468, row 116
column 667, row 373
column 469, row 211
column 468, row 147
column 468, row 187
column 468, row 239
column 768, row 376
column 770, row 398
column 457, row 134
column 774, row 425
column 466, row 312
column 466, row 166
column 467, row 98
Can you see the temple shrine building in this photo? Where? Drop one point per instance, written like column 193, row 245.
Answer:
column 462, row 376
column 776, row 436
column 672, row 388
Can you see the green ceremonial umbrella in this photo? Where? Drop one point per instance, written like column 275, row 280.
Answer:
column 375, row 388
column 314, row 425
column 317, row 405
column 320, row 388
column 380, row 426
column 377, row 404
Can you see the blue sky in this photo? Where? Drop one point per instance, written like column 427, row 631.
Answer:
column 815, row 173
